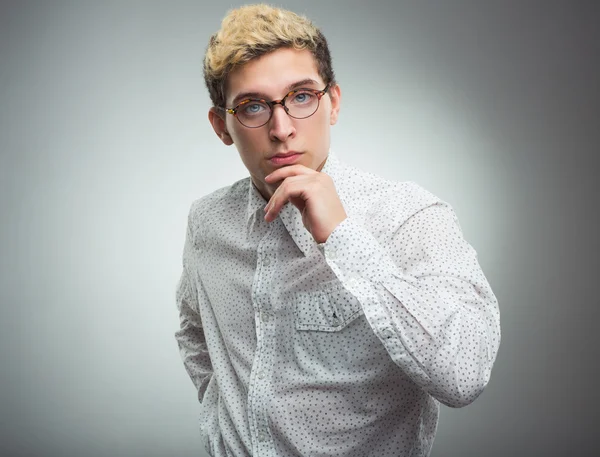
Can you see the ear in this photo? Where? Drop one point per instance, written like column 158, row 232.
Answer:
column 335, row 94
column 217, row 120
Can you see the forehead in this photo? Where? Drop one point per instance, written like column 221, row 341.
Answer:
column 272, row 73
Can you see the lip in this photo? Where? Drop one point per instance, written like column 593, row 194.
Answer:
column 285, row 159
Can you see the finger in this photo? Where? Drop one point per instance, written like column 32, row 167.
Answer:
column 285, row 172
column 278, row 192
column 288, row 191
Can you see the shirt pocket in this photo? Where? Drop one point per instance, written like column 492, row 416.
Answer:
column 330, row 308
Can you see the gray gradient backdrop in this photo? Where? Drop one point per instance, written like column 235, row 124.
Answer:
column 104, row 140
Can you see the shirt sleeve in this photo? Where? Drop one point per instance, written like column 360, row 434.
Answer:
column 190, row 336
column 426, row 298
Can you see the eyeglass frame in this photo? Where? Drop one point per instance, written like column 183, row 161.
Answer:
column 271, row 104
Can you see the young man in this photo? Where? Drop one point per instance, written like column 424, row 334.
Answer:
column 324, row 311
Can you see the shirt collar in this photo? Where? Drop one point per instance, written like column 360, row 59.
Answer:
column 289, row 214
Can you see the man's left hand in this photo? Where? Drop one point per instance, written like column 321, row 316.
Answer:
column 313, row 193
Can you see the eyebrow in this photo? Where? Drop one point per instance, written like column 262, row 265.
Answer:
column 246, row 95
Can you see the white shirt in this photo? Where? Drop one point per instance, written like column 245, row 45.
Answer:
column 343, row 348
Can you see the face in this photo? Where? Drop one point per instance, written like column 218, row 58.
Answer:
column 271, row 77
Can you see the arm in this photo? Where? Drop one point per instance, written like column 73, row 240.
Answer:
column 425, row 297
column 190, row 336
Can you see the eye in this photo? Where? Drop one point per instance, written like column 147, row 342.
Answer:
column 302, row 97
column 253, row 108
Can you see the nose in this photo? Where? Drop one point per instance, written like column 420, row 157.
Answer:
column 281, row 126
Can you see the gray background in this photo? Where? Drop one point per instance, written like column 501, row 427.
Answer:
column 104, row 140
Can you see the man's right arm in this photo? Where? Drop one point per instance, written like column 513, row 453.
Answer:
column 190, row 336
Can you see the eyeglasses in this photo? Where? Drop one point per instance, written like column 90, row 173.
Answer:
column 299, row 104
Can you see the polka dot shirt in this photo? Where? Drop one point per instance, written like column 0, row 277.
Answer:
column 344, row 348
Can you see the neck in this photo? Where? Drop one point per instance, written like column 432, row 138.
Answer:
column 263, row 189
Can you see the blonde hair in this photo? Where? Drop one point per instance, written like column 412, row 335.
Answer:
column 254, row 30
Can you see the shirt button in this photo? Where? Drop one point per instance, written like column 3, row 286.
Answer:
column 387, row 333
column 267, row 261
column 265, row 317
column 262, row 437
column 261, row 375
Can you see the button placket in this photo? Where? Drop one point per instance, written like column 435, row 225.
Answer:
column 259, row 388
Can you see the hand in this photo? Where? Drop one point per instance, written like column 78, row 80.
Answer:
column 313, row 193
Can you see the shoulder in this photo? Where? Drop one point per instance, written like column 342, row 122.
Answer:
column 214, row 205
column 372, row 194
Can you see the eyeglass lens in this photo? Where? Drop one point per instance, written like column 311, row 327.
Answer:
column 300, row 104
